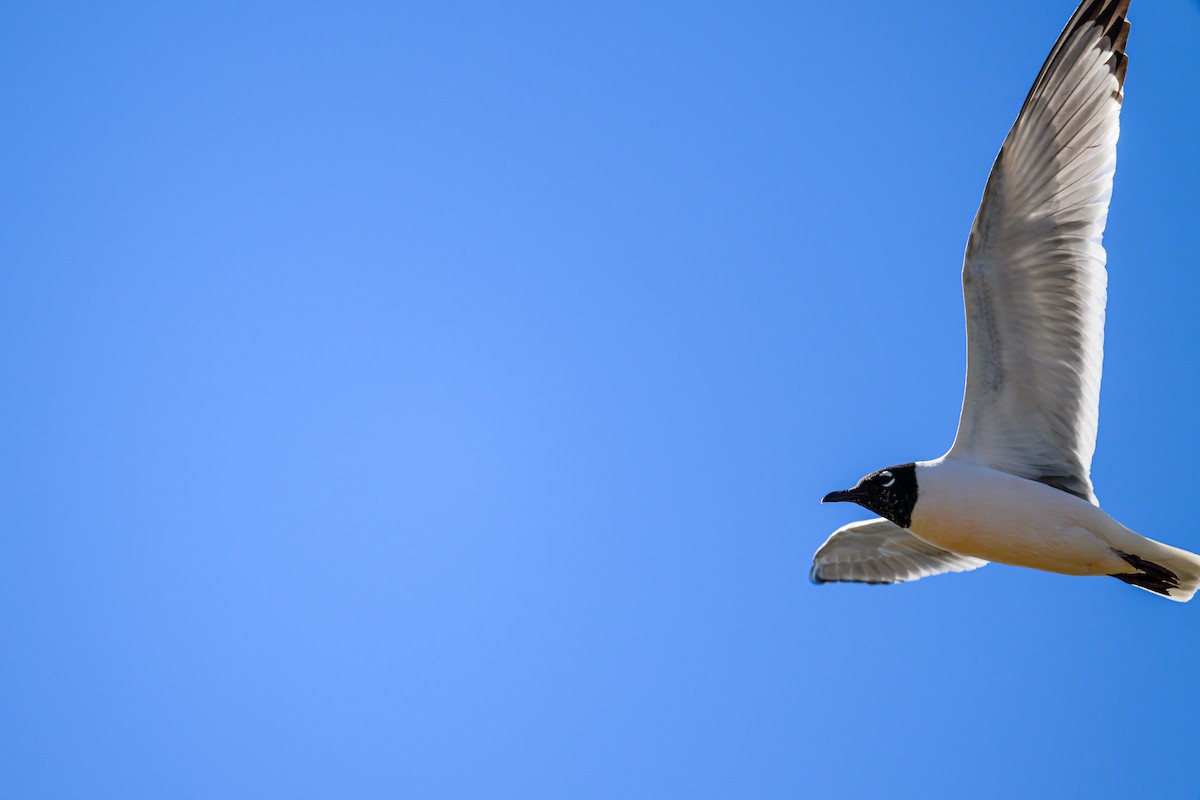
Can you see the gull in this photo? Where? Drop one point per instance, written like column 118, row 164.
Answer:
column 1015, row 487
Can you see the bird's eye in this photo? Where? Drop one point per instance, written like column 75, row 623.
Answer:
column 887, row 478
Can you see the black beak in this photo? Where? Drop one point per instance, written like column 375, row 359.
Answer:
column 848, row 496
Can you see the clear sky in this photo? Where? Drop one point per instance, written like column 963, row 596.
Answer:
column 433, row 401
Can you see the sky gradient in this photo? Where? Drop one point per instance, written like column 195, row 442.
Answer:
column 434, row 402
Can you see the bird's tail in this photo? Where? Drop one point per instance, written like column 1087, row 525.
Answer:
column 1162, row 569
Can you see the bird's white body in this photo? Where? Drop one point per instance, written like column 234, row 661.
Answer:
column 977, row 511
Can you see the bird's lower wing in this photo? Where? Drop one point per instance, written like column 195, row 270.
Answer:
column 878, row 551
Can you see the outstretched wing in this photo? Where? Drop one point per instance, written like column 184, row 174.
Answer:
column 877, row 551
column 1034, row 281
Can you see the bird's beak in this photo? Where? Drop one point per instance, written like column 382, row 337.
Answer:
column 848, row 496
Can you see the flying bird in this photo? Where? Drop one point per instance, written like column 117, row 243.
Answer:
column 1015, row 487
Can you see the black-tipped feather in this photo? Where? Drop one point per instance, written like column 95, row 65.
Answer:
column 1154, row 577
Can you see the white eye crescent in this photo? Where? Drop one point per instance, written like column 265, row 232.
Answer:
column 890, row 478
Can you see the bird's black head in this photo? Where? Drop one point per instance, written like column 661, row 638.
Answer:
column 891, row 493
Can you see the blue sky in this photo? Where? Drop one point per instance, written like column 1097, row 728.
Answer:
column 434, row 402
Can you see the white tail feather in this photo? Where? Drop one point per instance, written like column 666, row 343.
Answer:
column 1164, row 570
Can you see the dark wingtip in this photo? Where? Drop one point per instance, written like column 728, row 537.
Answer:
column 1107, row 14
column 1122, row 63
column 1154, row 577
column 1122, row 37
column 1110, row 17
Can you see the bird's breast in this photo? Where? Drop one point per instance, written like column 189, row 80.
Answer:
column 981, row 512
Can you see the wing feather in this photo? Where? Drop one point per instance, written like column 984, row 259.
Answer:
column 1034, row 278
column 878, row 551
